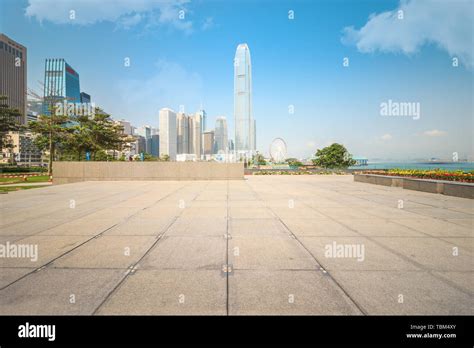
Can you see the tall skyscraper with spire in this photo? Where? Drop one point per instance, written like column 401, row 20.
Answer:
column 245, row 139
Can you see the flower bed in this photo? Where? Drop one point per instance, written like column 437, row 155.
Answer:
column 436, row 174
column 297, row 172
column 20, row 175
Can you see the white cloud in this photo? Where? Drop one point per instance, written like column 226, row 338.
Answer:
column 126, row 12
column 434, row 133
column 127, row 22
column 448, row 24
column 386, row 137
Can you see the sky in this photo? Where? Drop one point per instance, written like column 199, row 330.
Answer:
column 181, row 53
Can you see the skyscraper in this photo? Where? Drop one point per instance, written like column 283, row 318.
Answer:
column 208, row 140
column 168, row 136
column 203, row 117
column 146, row 132
column 183, row 133
column 244, row 122
column 141, row 144
column 155, row 145
column 85, row 98
column 13, row 74
column 189, row 134
column 254, row 135
column 61, row 82
column 220, row 135
column 195, row 129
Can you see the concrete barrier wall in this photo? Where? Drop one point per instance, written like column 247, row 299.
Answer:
column 457, row 189
column 69, row 172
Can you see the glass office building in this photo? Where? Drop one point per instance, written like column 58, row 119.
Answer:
column 61, row 82
column 220, row 136
column 85, row 98
column 244, row 122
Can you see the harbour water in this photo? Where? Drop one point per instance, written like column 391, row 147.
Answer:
column 452, row 166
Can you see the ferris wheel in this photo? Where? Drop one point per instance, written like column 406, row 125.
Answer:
column 278, row 150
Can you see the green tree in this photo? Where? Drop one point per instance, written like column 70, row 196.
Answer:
column 102, row 155
column 333, row 156
column 95, row 134
column 165, row 158
column 9, row 122
column 259, row 159
column 80, row 139
column 148, row 157
column 293, row 162
column 51, row 132
column 104, row 133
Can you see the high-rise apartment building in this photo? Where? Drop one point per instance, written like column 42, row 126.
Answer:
column 221, row 136
column 183, row 133
column 24, row 149
column 61, row 82
column 189, row 134
column 168, row 133
column 245, row 138
column 196, row 143
column 13, row 75
column 208, row 145
column 203, row 116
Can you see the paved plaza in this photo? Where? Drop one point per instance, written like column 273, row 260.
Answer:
column 264, row 245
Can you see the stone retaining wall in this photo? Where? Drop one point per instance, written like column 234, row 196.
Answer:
column 449, row 188
column 69, row 172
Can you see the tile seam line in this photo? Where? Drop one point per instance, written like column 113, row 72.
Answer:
column 356, row 304
column 416, row 264
column 81, row 244
column 58, row 210
column 378, row 217
column 86, row 214
column 154, row 244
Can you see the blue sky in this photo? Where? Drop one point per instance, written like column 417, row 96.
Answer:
column 295, row 62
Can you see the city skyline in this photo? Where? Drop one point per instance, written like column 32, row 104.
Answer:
column 326, row 85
